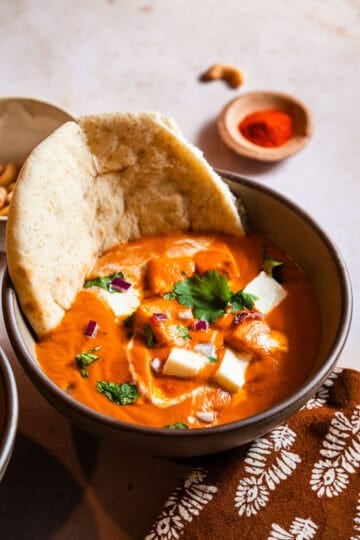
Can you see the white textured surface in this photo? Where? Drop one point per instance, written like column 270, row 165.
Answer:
column 94, row 56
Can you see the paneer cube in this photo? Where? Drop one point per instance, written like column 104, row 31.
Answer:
column 164, row 272
column 216, row 259
column 120, row 303
column 268, row 291
column 252, row 336
column 183, row 363
column 231, row 372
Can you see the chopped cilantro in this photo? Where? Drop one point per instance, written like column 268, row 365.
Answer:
column 210, row 295
column 212, row 359
column 149, row 335
column 121, row 394
column 104, row 282
column 271, row 266
column 183, row 331
column 242, row 300
column 170, row 296
column 177, row 425
column 84, row 359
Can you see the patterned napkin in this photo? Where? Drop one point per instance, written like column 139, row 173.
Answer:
column 300, row 481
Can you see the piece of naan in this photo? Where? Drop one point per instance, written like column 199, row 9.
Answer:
column 95, row 183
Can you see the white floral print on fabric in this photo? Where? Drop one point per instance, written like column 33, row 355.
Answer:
column 186, row 502
column 341, row 450
column 357, row 521
column 300, row 529
column 268, row 462
column 322, row 395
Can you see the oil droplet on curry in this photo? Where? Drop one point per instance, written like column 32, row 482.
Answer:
column 186, row 331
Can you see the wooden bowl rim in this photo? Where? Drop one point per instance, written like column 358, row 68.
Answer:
column 246, row 148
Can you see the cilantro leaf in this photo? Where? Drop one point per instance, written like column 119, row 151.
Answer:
column 177, row 425
column 212, row 359
column 149, row 335
column 271, row 266
column 183, row 331
column 121, row 394
column 208, row 295
column 242, row 300
column 104, row 282
column 169, row 296
column 84, row 359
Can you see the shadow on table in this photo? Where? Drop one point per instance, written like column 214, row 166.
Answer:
column 130, row 487
column 221, row 157
column 38, row 494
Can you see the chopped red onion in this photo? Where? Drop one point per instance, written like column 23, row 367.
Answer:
column 119, row 284
column 200, row 325
column 91, row 329
column 158, row 317
column 247, row 315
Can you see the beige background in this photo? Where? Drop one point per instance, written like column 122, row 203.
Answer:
column 96, row 56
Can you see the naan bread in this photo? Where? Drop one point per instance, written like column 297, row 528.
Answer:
column 92, row 184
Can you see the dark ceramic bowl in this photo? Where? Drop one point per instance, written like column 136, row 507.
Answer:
column 287, row 225
column 8, row 412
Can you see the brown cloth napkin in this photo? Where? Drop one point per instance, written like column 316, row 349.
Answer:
column 300, row 481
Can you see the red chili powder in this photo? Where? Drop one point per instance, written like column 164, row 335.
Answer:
column 268, row 128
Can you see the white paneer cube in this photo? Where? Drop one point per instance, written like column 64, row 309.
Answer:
column 183, row 363
column 122, row 303
column 231, row 373
column 268, row 291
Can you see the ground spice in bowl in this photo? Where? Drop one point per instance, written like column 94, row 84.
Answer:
column 269, row 128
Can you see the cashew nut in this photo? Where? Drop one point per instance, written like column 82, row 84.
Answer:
column 8, row 196
column 3, row 195
column 232, row 75
column 8, row 177
column 11, row 187
column 9, row 174
column 4, row 211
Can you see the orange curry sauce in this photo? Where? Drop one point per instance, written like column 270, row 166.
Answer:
column 125, row 356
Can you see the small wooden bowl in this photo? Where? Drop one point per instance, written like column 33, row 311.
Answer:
column 24, row 123
column 235, row 111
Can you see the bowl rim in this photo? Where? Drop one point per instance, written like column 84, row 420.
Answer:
column 24, row 99
column 7, row 437
column 295, row 401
